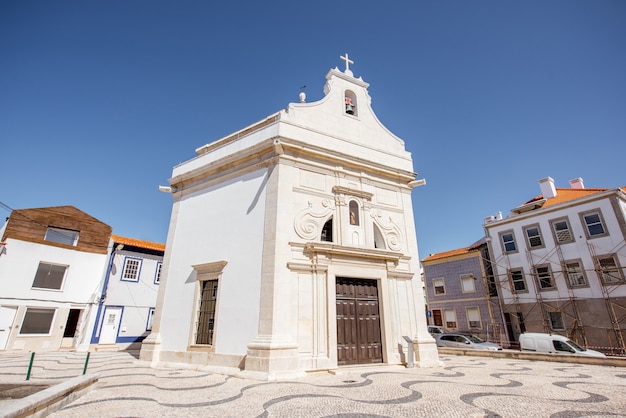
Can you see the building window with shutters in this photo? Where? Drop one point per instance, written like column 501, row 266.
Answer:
column 450, row 318
column 473, row 317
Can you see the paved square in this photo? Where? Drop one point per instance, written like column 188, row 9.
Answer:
column 463, row 387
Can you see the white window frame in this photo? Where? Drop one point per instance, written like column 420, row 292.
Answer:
column 448, row 315
column 52, row 233
column 127, row 262
column 34, row 311
column 465, row 279
column 41, row 270
column 439, row 282
column 473, row 316
column 587, row 225
column 511, row 241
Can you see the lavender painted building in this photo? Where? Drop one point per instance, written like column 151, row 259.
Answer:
column 460, row 292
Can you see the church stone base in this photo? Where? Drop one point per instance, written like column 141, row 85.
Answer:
column 271, row 359
column 426, row 354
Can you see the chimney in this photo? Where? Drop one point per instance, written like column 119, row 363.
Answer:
column 548, row 190
column 577, row 183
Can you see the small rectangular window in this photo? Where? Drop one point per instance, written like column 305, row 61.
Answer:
column 544, row 277
column 132, row 267
column 556, row 321
column 37, row 321
column 562, row 231
column 508, row 242
column 594, row 224
column 575, row 274
column 609, row 270
column 473, row 318
column 533, row 237
column 468, row 283
column 450, row 318
column 518, row 282
column 439, row 287
column 61, row 236
column 49, row 276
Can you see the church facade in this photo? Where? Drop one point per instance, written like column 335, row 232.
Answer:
column 292, row 246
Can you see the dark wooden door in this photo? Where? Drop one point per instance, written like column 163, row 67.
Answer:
column 358, row 322
column 437, row 319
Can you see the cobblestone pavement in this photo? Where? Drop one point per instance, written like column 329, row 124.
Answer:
column 463, row 387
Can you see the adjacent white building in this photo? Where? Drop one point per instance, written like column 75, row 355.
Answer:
column 126, row 305
column 558, row 262
column 292, row 245
column 52, row 264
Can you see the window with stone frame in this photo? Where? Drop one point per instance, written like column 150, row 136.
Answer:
column 594, row 224
column 610, row 271
column 556, row 321
column 473, row 317
column 439, row 287
column 544, row 277
column 533, row 237
column 206, row 312
column 575, row 274
column 468, row 284
column 562, row 231
column 518, row 283
column 450, row 318
column 508, row 242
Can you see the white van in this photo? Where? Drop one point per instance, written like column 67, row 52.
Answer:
column 553, row 343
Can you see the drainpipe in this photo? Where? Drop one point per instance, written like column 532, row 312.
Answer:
column 94, row 339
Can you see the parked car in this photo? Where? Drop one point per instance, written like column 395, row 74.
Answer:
column 553, row 343
column 436, row 329
column 463, row 340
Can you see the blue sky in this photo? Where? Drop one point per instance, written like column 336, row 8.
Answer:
column 99, row 100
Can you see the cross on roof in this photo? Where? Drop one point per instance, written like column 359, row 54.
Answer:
column 348, row 62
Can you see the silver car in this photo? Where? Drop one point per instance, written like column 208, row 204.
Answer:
column 460, row 340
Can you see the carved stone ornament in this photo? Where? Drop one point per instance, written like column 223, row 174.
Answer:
column 390, row 230
column 309, row 222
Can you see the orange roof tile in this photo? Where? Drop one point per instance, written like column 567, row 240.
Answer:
column 450, row 253
column 138, row 243
column 566, row 195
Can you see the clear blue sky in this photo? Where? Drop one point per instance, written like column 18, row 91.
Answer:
column 99, row 100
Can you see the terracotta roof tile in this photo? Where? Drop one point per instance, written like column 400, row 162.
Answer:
column 450, row 253
column 138, row 243
column 566, row 195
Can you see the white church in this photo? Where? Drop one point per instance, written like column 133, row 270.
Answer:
column 292, row 246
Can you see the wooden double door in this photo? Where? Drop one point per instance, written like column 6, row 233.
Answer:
column 358, row 322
